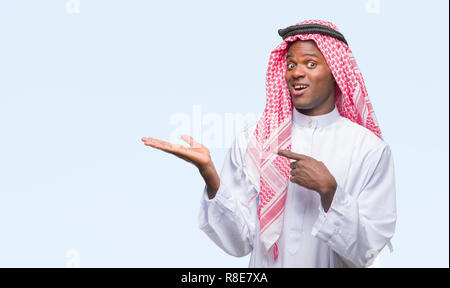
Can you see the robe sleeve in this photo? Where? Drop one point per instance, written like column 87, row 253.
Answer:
column 229, row 219
column 359, row 224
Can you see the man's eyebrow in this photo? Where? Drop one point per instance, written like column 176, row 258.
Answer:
column 307, row 54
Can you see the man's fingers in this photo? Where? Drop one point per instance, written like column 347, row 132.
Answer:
column 152, row 142
column 162, row 145
column 188, row 139
column 291, row 155
column 293, row 165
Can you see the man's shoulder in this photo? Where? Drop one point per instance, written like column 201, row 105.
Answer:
column 361, row 136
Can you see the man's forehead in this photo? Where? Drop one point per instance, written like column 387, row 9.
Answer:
column 304, row 47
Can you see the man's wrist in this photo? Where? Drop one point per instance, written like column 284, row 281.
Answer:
column 207, row 169
column 327, row 195
column 211, row 178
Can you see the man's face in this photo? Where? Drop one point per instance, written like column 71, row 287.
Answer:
column 309, row 79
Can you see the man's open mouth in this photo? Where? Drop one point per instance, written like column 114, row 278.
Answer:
column 299, row 87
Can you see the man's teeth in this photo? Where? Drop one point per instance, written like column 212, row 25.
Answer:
column 300, row 86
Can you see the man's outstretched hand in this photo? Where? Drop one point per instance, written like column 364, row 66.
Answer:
column 196, row 154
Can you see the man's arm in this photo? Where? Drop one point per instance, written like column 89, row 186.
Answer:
column 355, row 225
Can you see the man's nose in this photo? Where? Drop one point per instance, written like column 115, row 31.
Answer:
column 299, row 72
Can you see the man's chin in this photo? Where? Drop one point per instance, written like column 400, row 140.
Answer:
column 302, row 105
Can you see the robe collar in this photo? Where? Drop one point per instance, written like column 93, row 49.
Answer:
column 302, row 120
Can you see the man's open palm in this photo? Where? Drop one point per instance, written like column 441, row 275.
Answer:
column 196, row 153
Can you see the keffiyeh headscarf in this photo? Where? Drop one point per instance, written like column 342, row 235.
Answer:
column 270, row 172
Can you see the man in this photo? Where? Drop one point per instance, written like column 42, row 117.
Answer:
column 312, row 184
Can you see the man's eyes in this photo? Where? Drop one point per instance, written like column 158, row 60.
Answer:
column 310, row 64
column 291, row 66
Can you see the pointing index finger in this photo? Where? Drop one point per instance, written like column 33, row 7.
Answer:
column 291, row 155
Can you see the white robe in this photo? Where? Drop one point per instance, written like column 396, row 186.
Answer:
column 358, row 225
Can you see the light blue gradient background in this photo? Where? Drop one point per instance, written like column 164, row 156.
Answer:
column 78, row 91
